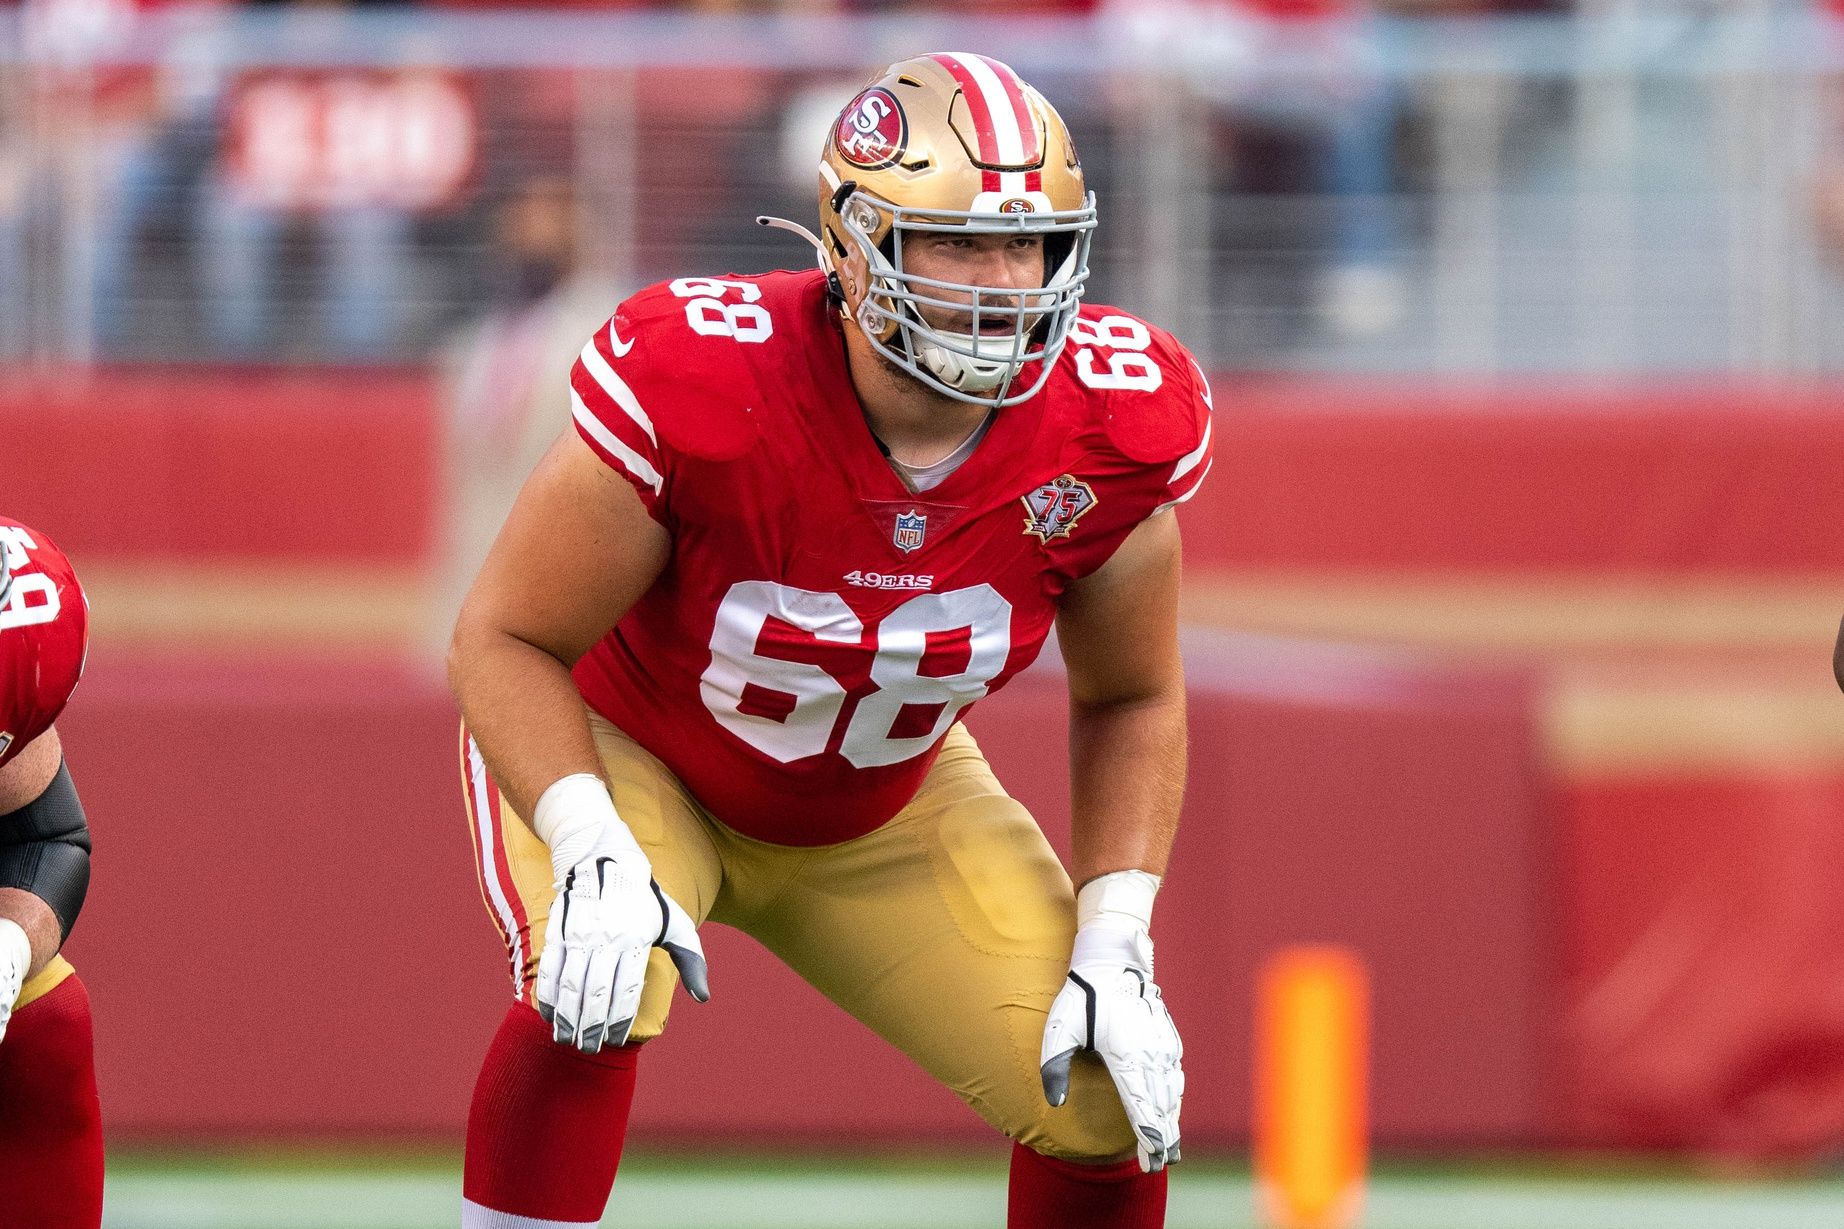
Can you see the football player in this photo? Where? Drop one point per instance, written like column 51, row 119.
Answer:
column 51, row 1158
column 714, row 666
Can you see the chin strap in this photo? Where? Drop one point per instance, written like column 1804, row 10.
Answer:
column 825, row 262
column 763, row 219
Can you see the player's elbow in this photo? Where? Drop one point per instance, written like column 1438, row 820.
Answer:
column 1837, row 658
column 465, row 646
column 489, row 650
column 45, row 850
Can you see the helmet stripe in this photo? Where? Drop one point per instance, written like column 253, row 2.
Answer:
column 1001, row 121
column 976, row 105
column 1029, row 146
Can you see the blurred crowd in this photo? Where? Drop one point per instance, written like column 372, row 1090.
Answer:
column 181, row 208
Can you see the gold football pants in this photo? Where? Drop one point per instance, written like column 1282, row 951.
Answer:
column 947, row 931
column 43, row 982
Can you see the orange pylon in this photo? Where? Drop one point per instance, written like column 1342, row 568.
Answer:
column 1311, row 1128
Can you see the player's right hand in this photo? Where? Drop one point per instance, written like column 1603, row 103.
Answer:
column 607, row 917
column 15, row 959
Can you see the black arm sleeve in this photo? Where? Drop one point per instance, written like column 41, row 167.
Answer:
column 45, row 849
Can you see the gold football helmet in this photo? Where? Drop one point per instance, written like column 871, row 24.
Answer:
column 955, row 142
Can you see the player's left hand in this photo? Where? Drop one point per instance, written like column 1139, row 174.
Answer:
column 1110, row 1005
column 15, row 959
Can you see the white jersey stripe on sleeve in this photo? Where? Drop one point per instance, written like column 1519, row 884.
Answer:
column 1189, row 461
column 1195, row 487
column 617, row 389
column 998, row 104
column 636, row 464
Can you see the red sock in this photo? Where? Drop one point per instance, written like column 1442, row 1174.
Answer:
column 1050, row 1194
column 545, row 1130
column 50, row 1119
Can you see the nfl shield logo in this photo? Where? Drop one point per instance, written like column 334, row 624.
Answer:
column 910, row 526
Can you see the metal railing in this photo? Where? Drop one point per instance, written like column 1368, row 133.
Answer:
column 1623, row 191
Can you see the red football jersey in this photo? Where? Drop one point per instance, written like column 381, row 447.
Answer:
column 44, row 633
column 819, row 628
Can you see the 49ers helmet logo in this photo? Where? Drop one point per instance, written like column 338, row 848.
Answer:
column 873, row 130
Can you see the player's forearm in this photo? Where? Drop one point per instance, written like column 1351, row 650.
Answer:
column 523, row 710
column 1127, row 774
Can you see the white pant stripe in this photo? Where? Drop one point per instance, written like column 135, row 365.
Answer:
column 489, row 865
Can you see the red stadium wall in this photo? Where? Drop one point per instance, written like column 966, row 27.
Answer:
column 1308, row 473
column 1409, row 475
column 1629, row 953
column 1705, row 954
column 253, row 465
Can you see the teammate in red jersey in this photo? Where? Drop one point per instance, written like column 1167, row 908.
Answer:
column 713, row 667
column 50, row 1123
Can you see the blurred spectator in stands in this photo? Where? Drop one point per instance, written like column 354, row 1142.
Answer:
column 506, row 379
column 363, row 239
column 1829, row 197
column 1300, row 88
column 123, row 139
column 15, row 152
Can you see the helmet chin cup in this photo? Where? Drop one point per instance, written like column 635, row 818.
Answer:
column 964, row 373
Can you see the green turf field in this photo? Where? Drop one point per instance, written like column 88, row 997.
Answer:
column 658, row 1192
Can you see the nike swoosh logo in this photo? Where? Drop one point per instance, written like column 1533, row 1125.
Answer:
column 616, row 344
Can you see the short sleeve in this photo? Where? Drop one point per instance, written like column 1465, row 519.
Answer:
column 611, row 415
column 1188, row 472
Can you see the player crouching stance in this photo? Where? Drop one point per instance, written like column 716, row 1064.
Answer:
column 713, row 667
column 51, row 1158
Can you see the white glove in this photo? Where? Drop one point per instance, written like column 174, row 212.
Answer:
column 15, row 959
column 1110, row 1006
column 608, row 916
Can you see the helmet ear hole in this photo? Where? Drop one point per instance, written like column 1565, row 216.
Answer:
column 1057, row 248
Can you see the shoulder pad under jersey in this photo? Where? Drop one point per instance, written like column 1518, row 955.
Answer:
column 1152, row 398
column 687, row 357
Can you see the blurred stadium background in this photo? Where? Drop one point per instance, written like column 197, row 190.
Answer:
column 1510, row 598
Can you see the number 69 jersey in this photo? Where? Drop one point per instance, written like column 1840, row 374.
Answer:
column 44, row 634
column 819, row 627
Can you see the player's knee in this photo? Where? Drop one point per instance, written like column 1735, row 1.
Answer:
column 1088, row 1128
column 655, row 997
